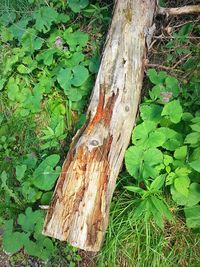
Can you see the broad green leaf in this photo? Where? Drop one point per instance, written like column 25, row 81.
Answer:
column 193, row 139
column 64, row 79
column 23, row 69
column 195, row 154
column 141, row 132
column 46, row 198
column 12, row 241
column 94, row 64
column 75, row 39
column 192, row 215
column 81, row 74
column 63, row 18
column 30, row 41
column 151, row 112
column 156, row 78
column 173, row 139
column 195, row 165
column 181, row 184
column 133, row 160
column 13, row 89
column 167, row 160
column 74, row 60
column 196, row 127
column 196, row 119
column 7, row 18
column 20, row 171
column 140, row 163
column 6, row 34
column 156, row 139
column 194, row 194
column 181, row 153
column 45, row 84
column 47, row 56
column 30, row 192
column 31, row 221
column 156, row 91
column 42, row 247
column 179, row 198
column 46, row 174
column 172, row 85
column 20, row 27
column 44, row 17
column 153, row 156
column 77, row 5
column 173, row 110
column 74, row 94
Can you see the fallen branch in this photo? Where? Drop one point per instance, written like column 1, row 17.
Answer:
column 80, row 206
column 174, row 11
column 168, row 67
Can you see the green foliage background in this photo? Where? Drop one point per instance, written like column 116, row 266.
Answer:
column 50, row 54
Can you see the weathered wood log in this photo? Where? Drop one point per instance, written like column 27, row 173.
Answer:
column 80, row 206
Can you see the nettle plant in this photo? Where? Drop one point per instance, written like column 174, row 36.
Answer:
column 165, row 153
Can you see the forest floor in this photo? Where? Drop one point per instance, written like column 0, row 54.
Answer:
column 40, row 113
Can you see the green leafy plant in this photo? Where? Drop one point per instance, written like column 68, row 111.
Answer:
column 162, row 151
column 48, row 61
column 28, row 236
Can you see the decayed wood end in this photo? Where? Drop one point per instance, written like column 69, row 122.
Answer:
column 80, row 205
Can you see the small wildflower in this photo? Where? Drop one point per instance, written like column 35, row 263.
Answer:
column 166, row 96
column 58, row 42
column 7, row 158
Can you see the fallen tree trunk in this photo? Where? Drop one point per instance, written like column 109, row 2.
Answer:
column 80, row 206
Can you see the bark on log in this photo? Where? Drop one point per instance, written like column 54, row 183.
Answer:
column 80, row 206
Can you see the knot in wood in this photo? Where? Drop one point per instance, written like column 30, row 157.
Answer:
column 127, row 108
column 94, row 142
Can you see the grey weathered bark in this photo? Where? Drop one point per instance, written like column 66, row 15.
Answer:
column 80, row 206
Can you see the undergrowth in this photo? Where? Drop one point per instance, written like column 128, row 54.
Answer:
column 50, row 54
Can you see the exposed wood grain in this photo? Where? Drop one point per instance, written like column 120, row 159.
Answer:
column 79, row 209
